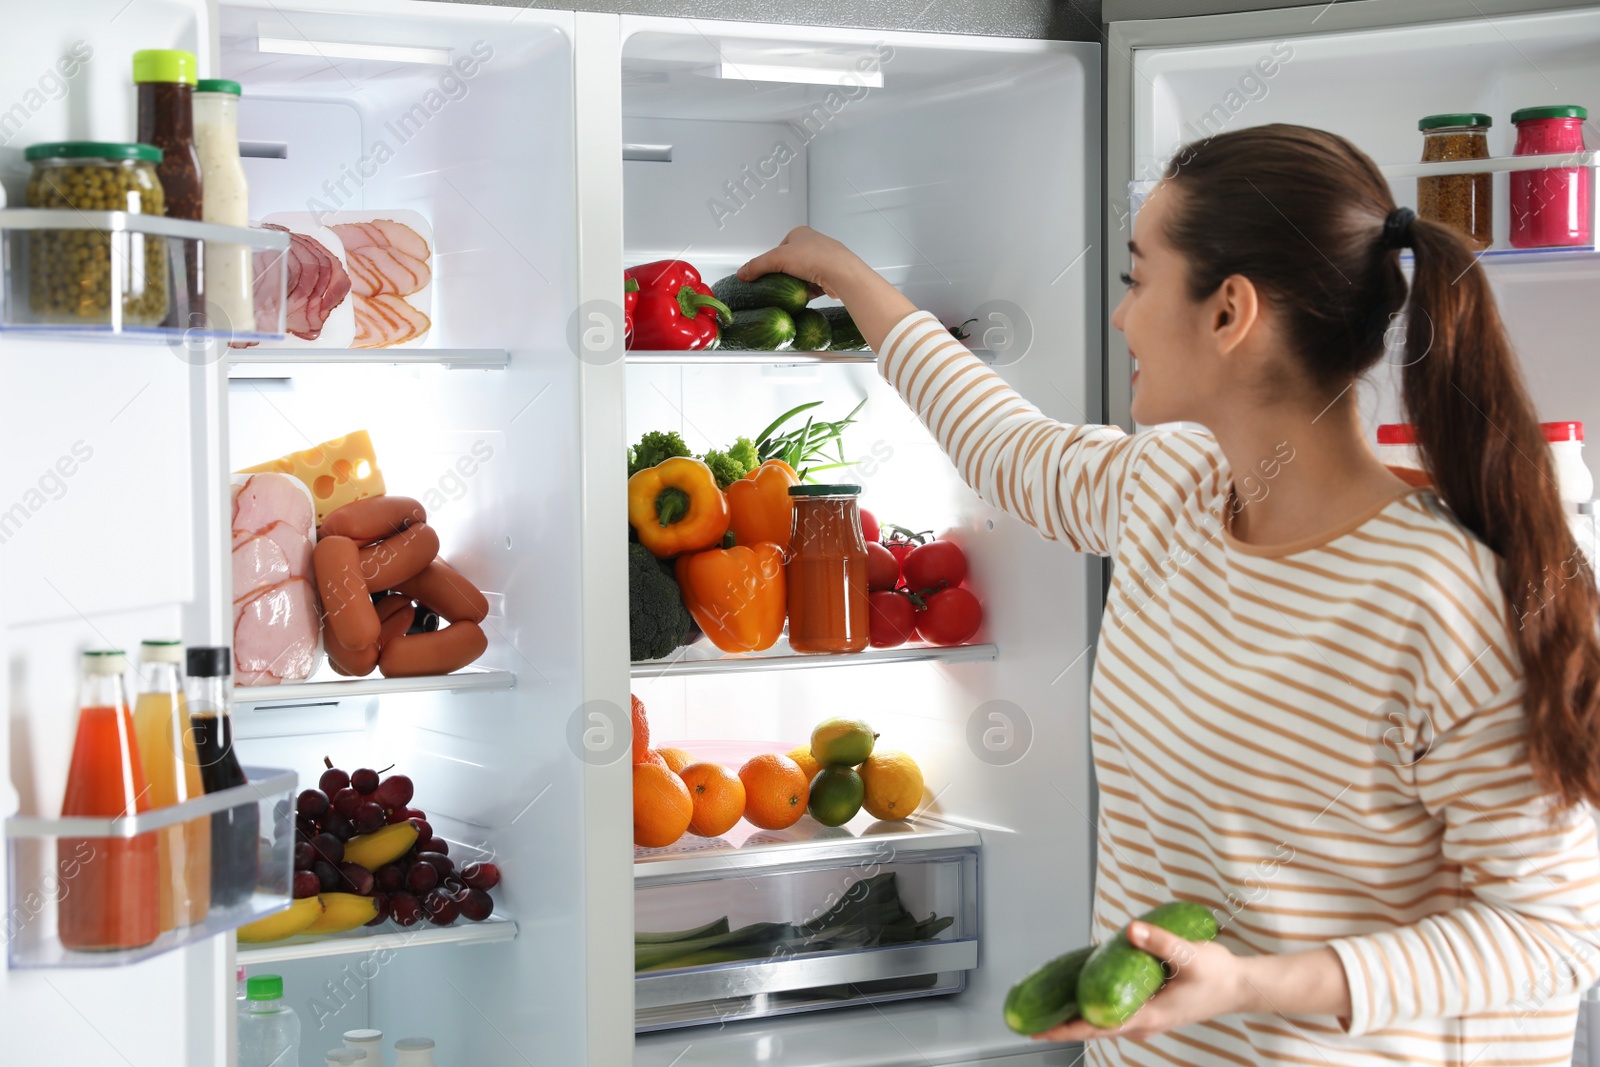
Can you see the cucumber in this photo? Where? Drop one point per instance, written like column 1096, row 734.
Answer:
column 1048, row 997
column 811, row 331
column 846, row 338
column 711, row 929
column 758, row 330
column 768, row 291
column 1117, row 978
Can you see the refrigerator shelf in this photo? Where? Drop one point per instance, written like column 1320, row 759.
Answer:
column 300, row 694
column 470, row 358
column 387, row 937
column 705, row 658
column 731, row 356
column 47, row 857
column 151, row 266
column 1492, row 165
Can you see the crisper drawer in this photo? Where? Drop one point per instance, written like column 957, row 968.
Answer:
column 803, row 919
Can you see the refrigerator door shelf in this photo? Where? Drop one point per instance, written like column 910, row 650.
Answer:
column 387, row 937
column 702, row 657
column 49, row 858
column 466, row 358
column 300, row 694
column 142, row 255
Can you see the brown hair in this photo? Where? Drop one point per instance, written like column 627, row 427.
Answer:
column 1301, row 213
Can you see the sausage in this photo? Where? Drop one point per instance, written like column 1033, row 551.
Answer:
column 398, row 621
column 390, row 604
column 442, row 588
column 354, row 663
column 373, row 519
column 447, row 650
column 387, row 563
column 351, row 618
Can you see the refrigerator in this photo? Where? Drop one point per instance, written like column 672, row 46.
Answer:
column 986, row 177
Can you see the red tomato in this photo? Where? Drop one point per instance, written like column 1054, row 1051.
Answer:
column 951, row 617
column 869, row 526
column 883, row 570
column 899, row 548
column 935, row 562
column 892, row 619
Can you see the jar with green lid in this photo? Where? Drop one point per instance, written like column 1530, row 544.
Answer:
column 1463, row 201
column 70, row 271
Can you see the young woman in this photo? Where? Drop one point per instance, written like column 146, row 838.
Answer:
column 1359, row 720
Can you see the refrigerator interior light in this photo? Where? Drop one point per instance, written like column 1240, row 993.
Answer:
column 385, row 53
column 839, row 73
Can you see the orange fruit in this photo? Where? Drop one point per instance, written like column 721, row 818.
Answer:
column 641, row 732
column 676, row 758
column 775, row 791
column 653, row 758
column 718, row 797
column 808, row 764
column 661, row 806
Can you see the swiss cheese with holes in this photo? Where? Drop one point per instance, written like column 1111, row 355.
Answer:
column 337, row 472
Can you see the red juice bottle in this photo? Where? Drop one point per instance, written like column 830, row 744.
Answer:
column 114, row 900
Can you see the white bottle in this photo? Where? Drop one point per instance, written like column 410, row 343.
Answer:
column 1572, row 476
column 369, row 1041
column 413, row 1052
column 343, row 1057
column 269, row 1030
column 225, row 199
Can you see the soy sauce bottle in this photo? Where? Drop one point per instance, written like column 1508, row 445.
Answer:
column 234, row 831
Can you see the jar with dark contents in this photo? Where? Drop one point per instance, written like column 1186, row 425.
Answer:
column 166, row 80
column 1462, row 201
column 73, row 274
column 826, row 570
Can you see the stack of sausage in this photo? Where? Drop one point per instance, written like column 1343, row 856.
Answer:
column 384, row 545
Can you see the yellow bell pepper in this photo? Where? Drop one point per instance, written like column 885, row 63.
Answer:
column 676, row 507
column 759, row 506
column 738, row 595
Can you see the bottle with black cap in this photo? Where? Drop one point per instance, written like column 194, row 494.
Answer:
column 233, row 832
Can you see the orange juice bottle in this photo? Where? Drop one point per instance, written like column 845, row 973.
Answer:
column 113, row 901
column 166, row 747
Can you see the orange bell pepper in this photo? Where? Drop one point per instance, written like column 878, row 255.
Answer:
column 676, row 507
column 759, row 506
column 737, row 595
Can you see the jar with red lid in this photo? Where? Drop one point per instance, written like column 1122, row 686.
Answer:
column 1397, row 450
column 826, row 571
column 1551, row 208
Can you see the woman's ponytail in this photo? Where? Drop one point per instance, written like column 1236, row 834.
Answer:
column 1482, row 443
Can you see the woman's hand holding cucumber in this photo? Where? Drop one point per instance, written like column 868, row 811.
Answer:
column 831, row 268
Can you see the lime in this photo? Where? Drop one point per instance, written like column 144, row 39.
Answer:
column 836, row 794
column 841, row 742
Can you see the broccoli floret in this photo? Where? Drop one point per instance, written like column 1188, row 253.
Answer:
column 655, row 447
column 658, row 623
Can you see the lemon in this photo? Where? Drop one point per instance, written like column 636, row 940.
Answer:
column 836, row 794
column 893, row 784
column 808, row 766
column 841, row 742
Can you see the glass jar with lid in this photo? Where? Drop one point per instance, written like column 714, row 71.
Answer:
column 1462, row 201
column 71, row 273
column 1551, row 208
column 826, row 572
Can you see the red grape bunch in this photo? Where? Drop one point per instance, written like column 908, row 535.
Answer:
column 422, row 883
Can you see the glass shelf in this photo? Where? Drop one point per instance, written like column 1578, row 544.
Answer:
column 378, row 938
column 702, row 657
column 48, row 858
column 148, row 262
column 730, row 356
column 299, row 694
column 466, row 358
column 1492, row 165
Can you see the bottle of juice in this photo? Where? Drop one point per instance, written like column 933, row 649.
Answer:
column 233, row 832
column 166, row 745
column 113, row 900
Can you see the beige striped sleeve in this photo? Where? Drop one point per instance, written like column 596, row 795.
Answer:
column 1531, row 936
column 1069, row 482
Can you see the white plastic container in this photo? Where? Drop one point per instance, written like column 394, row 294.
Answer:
column 345, row 1057
column 1572, row 474
column 269, row 1030
column 1397, row 446
column 414, row 1052
column 368, row 1041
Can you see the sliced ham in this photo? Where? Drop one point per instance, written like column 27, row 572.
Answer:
column 385, row 320
column 295, row 546
column 275, row 634
column 385, row 257
column 317, row 283
column 403, row 238
column 257, row 564
column 269, row 498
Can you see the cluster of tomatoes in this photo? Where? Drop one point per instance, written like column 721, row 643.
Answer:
column 915, row 588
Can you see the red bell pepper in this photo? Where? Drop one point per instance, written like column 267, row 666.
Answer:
column 630, row 300
column 675, row 309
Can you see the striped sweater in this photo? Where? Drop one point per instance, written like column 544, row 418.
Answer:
column 1322, row 741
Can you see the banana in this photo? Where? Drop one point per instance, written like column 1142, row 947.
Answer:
column 293, row 920
column 381, row 846
column 341, row 912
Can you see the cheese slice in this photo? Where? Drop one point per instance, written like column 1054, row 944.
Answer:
column 337, row 472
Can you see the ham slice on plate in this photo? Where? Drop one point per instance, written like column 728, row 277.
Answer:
column 269, row 498
column 387, row 319
column 385, row 257
column 317, row 283
column 296, row 548
column 257, row 564
column 275, row 634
